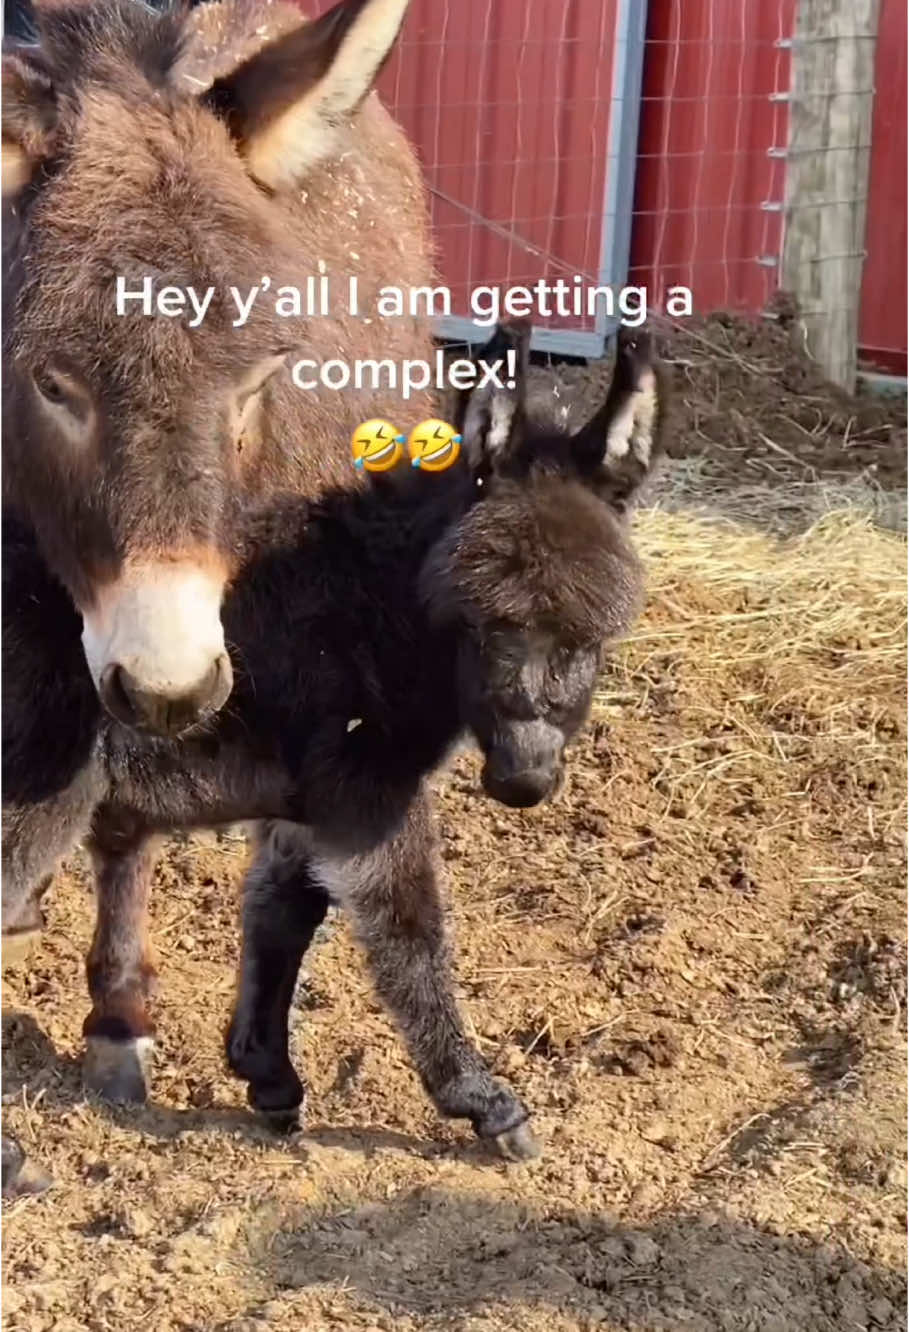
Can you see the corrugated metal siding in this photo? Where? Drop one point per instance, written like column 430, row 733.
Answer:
column 508, row 105
column 882, row 328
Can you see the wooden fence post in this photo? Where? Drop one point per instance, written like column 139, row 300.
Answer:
column 828, row 160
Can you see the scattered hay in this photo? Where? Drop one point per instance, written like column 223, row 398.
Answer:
column 690, row 485
column 690, row 965
column 773, row 651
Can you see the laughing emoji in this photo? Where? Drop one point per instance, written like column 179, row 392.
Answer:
column 433, row 446
column 376, row 446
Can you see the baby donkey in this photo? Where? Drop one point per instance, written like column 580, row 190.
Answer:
column 369, row 633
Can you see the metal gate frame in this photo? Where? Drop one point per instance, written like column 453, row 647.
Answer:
column 618, row 200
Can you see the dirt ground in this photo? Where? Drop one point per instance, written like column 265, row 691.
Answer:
column 692, row 967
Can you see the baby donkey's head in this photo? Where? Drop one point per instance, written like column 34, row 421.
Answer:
column 540, row 573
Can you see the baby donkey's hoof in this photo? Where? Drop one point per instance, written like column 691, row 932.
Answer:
column 20, row 1174
column 518, row 1144
column 495, row 1112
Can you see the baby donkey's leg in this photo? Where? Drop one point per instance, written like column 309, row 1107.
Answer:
column 393, row 896
column 283, row 906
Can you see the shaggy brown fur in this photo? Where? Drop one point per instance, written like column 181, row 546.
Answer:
column 546, row 560
column 135, row 169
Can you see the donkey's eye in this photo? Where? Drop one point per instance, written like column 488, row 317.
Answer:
column 51, row 387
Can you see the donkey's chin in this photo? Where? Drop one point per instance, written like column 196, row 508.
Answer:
column 154, row 644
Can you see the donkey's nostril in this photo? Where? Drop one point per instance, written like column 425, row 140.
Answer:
column 115, row 694
column 163, row 713
column 218, row 684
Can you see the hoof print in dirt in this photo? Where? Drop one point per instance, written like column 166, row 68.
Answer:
column 118, row 1071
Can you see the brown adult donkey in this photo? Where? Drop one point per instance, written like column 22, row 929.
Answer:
column 233, row 144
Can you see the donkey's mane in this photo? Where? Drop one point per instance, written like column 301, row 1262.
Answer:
column 547, row 556
column 177, row 45
column 86, row 42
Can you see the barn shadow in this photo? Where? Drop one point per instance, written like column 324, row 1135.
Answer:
column 435, row 1251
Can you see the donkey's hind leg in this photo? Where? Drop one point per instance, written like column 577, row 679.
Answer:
column 37, row 834
column 283, row 906
column 393, row 896
column 119, row 1031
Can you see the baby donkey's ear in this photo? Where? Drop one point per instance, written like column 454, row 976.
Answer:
column 624, row 439
column 491, row 415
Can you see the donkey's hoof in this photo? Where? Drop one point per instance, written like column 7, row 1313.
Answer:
column 283, row 1123
column 280, row 1104
column 518, row 1144
column 20, row 1174
column 118, row 1071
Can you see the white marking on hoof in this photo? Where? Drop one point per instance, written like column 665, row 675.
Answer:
column 118, row 1070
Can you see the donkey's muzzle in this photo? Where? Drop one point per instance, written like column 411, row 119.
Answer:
column 520, row 790
column 160, row 713
column 513, row 783
column 524, row 764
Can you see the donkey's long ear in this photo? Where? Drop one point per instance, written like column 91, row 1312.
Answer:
column 29, row 114
column 286, row 103
column 491, row 416
column 18, row 20
column 624, row 438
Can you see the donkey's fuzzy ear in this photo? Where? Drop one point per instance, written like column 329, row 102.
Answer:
column 29, row 115
column 625, row 435
column 18, row 20
column 287, row 101
column 491, row 415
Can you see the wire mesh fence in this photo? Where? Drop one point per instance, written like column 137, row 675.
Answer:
column 617, row 142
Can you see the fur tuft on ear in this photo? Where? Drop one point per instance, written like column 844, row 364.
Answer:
column 29, row 116
column 624, row 438
column 287, row 102
column 491, row 415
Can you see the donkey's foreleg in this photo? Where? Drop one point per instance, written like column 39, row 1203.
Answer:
column 283, row 906
column 120, row 966
column 393, row 896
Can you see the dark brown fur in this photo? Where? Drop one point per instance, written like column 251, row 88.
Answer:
column 416, row 610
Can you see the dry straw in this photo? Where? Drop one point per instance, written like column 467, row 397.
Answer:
column 767, row 651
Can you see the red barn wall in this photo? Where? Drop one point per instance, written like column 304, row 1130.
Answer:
column 707, row 192
column 509, row 106
column 882, row 326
